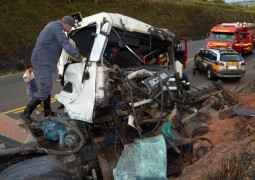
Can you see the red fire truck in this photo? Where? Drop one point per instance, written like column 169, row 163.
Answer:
column 238, row 36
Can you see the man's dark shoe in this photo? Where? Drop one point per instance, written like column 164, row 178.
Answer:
column 51, row 114
column 29, row 109
column 26, row 117
column 47, row 109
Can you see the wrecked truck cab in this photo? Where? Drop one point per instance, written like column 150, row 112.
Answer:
column 128, row 87
column 139, row 46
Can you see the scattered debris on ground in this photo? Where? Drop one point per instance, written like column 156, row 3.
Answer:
column 233, row 139
column 208, row 136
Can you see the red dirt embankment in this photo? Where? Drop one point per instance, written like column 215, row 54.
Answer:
column 233, row 155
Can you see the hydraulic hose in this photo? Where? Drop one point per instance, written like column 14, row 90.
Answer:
column 5, row 152
column 22, row 149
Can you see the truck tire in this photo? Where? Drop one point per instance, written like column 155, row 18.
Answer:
column 45, row 167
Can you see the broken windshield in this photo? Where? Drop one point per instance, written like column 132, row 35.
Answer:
column 84, row 39
column 221, row 36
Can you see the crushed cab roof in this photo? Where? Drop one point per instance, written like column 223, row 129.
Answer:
column 116, row 20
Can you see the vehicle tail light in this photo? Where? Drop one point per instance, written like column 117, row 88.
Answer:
column 214, row 70
column 219, row 63
column 243, row 64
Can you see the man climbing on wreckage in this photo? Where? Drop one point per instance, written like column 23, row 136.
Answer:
column 44, row 59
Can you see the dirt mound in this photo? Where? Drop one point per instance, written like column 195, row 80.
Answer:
column 225, row 161
column 233, row 154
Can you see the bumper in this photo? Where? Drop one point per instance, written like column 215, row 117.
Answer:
column 230, row 73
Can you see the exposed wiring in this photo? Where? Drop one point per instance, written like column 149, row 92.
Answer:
column 161, row 108
column 118, row 125
column 134, row 114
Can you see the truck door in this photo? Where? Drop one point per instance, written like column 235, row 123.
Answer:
column 181, row 51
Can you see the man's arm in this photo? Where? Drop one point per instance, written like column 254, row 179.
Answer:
column 67, row 46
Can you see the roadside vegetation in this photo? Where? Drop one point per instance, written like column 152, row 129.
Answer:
column 22, row 20
column 238, row 165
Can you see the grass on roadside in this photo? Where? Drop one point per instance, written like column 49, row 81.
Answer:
column 22, row 20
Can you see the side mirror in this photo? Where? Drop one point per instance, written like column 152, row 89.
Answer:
column 100, row 43
column 105, row 28
column 98, row 47
column 77, row 17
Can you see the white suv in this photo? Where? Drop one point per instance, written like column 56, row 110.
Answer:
column 219, row 63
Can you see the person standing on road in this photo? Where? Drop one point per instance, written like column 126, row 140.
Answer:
column 50, row 42
column 29, row 79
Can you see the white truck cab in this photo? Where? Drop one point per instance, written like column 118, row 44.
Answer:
column 138, row 46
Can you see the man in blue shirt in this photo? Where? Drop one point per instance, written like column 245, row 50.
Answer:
column 44, row 59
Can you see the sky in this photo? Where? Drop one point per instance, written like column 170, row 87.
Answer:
column 234, row 0
column 231, row 1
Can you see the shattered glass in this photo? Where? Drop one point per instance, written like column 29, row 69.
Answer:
column 145, row 159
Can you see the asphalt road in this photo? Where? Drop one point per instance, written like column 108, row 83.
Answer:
column 14, row 98
column 13, row 94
